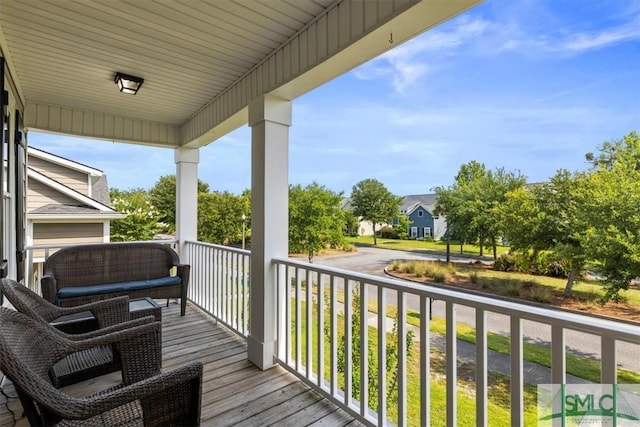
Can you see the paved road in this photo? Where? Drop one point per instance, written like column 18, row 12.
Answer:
column 373, row 261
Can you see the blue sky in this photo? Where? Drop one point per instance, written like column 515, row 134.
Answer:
column 530, row 86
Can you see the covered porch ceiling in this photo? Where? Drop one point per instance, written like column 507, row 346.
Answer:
column 202, row 61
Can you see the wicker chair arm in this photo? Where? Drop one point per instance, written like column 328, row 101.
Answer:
column 182, row 270
column 179, row 389
column 140, row 349
column 109, row 329
column 107, row 312
column 161, row 390
column 48, row 286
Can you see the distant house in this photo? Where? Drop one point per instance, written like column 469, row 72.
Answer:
column 365, row 228
column 67, row 203
column 424, row 224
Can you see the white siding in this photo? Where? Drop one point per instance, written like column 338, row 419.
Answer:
column 100, row 125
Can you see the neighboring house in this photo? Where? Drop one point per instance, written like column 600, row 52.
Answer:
column 365, row 228
column 424, row 224
column 67, row 203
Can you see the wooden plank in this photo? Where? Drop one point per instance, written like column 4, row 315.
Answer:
column 201, row 344
column 311, row 413
column 239, row 381
column 235, row 392
column 258, row 406
column 336, row 418
column 232, row 400
column 206, row 358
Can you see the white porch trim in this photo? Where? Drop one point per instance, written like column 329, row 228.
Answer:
column 186, row 196
column 269, row 118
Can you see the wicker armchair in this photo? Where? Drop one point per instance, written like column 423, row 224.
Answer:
column 109, row 316
column 147, row 397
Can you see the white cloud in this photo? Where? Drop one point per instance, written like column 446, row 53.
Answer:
column 406, row 63
column 534, row 31
column 587, row 41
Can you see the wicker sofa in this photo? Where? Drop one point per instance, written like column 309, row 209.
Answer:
column 84, row 273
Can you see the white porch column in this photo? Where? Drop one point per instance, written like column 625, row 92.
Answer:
column 269, row 118
column 186, row 196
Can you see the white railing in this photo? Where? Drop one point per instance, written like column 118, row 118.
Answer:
column 36, row 255
column 319, row 341
column 219, row 283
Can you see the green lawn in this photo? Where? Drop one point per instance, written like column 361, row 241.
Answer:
column 420, row 245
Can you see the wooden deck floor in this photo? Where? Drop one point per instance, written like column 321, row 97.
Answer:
column 235, row 393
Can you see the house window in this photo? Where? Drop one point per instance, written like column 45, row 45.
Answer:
column 420, row 213
column 427, row 232
column 414, row 231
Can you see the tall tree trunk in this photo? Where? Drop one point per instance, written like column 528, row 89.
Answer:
column 481, row 241
column 448, row 249
column 461, row 245
column 375, row 240
column 495, row 250
column 567, row 289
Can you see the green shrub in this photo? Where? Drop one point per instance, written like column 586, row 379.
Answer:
column 473, row 276
column 522, row 263
column 395, row 265
column 592, row 296
column 486, row 283
column 387, row 232
column 512, row 288
column 556, row 269
column 407, row 267
column 344, row 247
column 451, row 268
column 504, row 262
column 539, row 293
column 439, row 277
column 541, row 264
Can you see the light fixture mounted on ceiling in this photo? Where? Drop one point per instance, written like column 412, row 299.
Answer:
column 128, row 84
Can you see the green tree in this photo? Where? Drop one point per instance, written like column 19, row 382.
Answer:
column 610, row 151
column 404, row 223
column 141, row 222
column 608, row 199
column 316, row 219
column 220, row 217
column 449, row 204
column 351, row 224
column 163, row 197
column 542, row 218
column 492, row 190
column 469, row 203
column 372, row 202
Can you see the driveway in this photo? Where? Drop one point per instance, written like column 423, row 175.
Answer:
column 373, row 261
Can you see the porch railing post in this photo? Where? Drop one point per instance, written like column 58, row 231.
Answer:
column 186, row 198
column 269, row 118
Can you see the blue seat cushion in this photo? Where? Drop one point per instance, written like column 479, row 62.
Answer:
column 81, row 291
